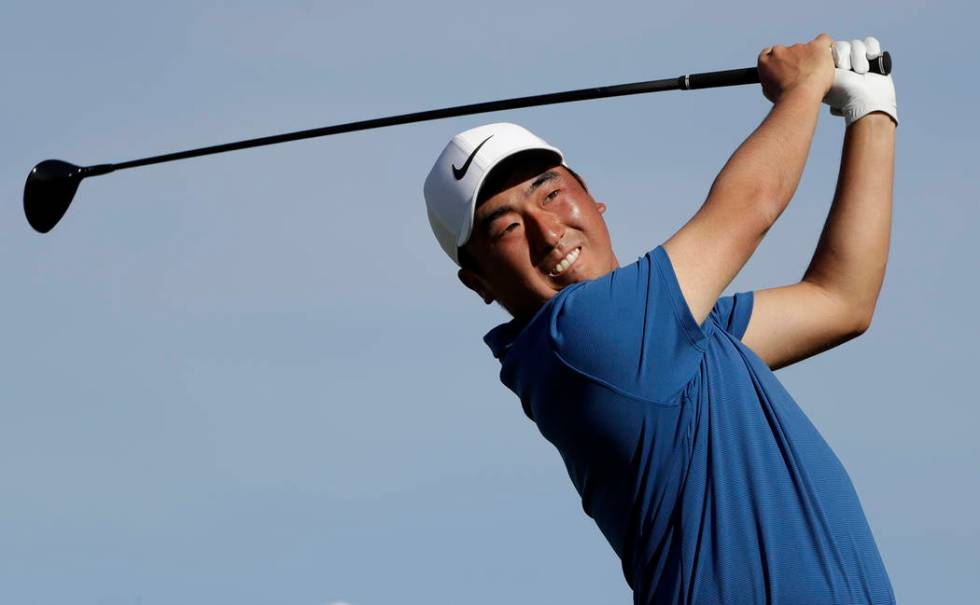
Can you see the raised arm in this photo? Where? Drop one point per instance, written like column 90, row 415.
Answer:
column 759, row 179
column 836, row 298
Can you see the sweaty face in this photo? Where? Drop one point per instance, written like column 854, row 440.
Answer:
column 536, row 231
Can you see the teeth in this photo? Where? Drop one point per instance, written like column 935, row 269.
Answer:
column 565, row 262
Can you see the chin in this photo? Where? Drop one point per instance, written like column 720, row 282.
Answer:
column 578, row 272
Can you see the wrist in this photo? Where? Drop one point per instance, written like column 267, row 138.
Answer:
column 805, row 91
column 878, row 121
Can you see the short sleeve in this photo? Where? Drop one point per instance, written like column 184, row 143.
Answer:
column 732, row 313
column 631, row 330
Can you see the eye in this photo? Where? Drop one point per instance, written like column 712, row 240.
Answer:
column 506, row 230
column 551, row 196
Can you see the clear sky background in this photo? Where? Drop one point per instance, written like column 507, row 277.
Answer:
column 253, row 378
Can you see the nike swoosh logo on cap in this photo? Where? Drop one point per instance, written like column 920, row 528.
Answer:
column 459, row 173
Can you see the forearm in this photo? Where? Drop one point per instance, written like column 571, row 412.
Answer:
column 766, row 168
column 852, row 251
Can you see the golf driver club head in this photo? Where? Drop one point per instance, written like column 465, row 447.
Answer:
column 50, row 187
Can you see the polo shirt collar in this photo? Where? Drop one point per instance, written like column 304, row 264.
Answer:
column 501, row 338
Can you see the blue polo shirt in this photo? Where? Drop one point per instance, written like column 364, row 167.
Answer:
column 701, row 471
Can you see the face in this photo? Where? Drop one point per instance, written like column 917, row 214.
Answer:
column 538, row 231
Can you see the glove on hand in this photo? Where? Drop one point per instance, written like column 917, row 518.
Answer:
column 856, row 92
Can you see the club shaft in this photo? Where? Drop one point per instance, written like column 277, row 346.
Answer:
column 712, row 79
column 51, row 184
column 730, row 77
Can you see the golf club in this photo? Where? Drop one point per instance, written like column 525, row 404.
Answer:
column 51, row 184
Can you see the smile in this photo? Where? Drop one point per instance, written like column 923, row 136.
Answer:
column 565, row 263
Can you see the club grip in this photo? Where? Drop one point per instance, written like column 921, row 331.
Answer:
column 714, row 79
column 750, row 75
column 882, row 65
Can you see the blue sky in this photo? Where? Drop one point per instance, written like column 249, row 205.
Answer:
column 253, row 377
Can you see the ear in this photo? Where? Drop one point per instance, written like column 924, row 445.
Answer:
column 600, row 207
column 472, row 281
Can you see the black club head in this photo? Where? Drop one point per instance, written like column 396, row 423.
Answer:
column 50, row 187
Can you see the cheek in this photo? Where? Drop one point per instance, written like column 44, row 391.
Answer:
column 571, row 210
column 509, row 250
column 585, row 216
column 510, row 260
column 514, row 269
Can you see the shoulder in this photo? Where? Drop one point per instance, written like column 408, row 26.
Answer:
column 599, row 308
column 642, row 298
column 625, row 329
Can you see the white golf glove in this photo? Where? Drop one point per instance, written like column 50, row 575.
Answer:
column 856, row 92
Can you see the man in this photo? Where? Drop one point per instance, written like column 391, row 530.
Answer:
column 699, row 468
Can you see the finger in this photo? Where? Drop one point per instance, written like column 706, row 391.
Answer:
column 859, row 57
column 873, row 47
column 842, row 54
column 824, row 39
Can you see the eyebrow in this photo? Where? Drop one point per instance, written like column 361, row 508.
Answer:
column 488, row 220
column 541, row 180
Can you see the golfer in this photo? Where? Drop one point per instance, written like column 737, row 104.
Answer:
column 699, row 468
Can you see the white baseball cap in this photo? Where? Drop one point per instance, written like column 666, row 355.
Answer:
column 454, row 182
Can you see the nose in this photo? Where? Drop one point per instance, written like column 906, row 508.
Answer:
column 544, row 230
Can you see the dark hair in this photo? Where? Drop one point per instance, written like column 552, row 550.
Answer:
column 465, row 260
column 491, row 185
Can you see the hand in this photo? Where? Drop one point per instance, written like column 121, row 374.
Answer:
column 857, row 92
column 809, row 65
